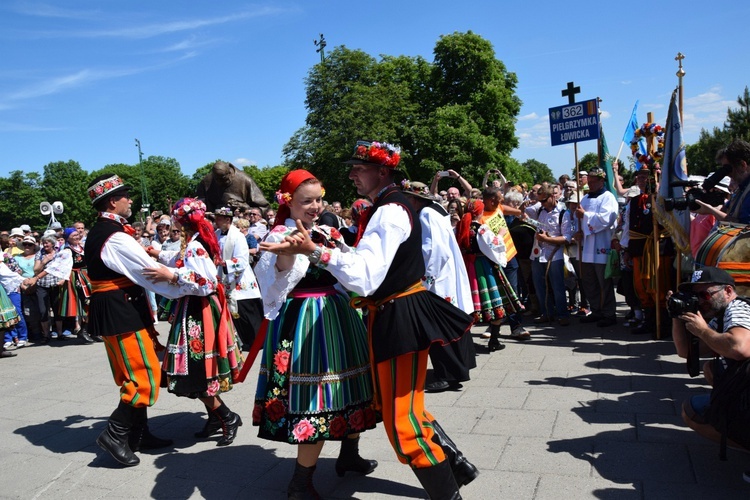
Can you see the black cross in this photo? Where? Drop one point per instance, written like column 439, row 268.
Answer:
column 571, row 92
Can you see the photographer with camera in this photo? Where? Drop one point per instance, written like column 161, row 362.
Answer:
column 708, row 318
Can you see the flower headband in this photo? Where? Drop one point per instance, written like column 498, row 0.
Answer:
column 378, row 153
column 189, row 210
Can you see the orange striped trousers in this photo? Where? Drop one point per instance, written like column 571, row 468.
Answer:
column 400, row 388
column 135, row 367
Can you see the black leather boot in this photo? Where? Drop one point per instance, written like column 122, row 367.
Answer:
column 230, row 422
column 213, row 425
column 114, row 439
column 83, row 334
column 494, row 343
column 141, row 437
column 301, row 486
column 438, row 482
column 463, row 470
column 350, row 461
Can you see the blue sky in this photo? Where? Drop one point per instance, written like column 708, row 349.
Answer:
column 198, row 81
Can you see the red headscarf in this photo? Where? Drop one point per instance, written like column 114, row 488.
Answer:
column 289, row 185
column 474, row 210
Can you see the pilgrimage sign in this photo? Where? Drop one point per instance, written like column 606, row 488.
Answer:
column 578, row 121
column 575, row 122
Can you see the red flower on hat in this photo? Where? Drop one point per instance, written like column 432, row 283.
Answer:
column 378, row 155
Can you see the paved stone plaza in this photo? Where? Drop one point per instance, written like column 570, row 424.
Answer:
column 577, row 412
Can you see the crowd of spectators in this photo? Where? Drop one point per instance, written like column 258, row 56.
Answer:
column 565, row 234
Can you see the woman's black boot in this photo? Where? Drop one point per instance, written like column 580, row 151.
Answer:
column 350, row 461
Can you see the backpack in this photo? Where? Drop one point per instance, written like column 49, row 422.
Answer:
column 729, row 409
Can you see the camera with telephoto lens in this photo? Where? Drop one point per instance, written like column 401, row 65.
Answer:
column 691, row 198
column 681, row 303
column 705, row 193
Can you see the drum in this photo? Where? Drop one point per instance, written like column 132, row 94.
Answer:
column 728, row 248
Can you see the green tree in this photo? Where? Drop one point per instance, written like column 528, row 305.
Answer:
column 268, row 179
column 458, row 112
column 586, row 163
column 350, row 96
column 20, row 196
column 701, row 155
column 67, row 182
column 539, row 171
column 165, row 183
column 470, row 121
column 738, row 120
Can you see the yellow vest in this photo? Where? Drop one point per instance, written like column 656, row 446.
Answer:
column 496, row 222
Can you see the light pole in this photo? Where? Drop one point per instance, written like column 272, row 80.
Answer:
column 144, row 192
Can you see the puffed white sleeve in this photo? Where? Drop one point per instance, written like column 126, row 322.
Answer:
column 276, row 285
column 492, row 246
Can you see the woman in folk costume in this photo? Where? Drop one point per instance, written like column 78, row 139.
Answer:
column 76, row 290
column 314, row 382
column 203, row 353
column 484, row 256
column 10, row 317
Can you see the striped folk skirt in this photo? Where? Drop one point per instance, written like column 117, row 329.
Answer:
column 315, row 381
column 204, row 354
column 491, row 292
column 74, row 295
column 8, row 314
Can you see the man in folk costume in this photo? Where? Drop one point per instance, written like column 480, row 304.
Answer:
column 638, row 242
column 445, row 275
column 119, row 312
column 403, row 317
column 598, row 217
column 243, row 293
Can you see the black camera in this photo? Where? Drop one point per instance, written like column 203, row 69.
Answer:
column 681, row 303
column 690, row 200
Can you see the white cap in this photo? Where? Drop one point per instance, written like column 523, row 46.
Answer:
column 25, row 228
column 723, row 185
column 633, row 192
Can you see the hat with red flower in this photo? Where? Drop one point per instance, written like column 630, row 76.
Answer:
column 379, row 154
column 106, row 185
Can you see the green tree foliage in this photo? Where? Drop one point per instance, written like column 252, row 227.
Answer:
column 20, row 196
column 738, row 120
column 701, row 155
column 268, row 179
column 458, row 112
column 539, row 171
column 471, row 89
column 67, row 182
column 165, row 184
column 585, row 163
